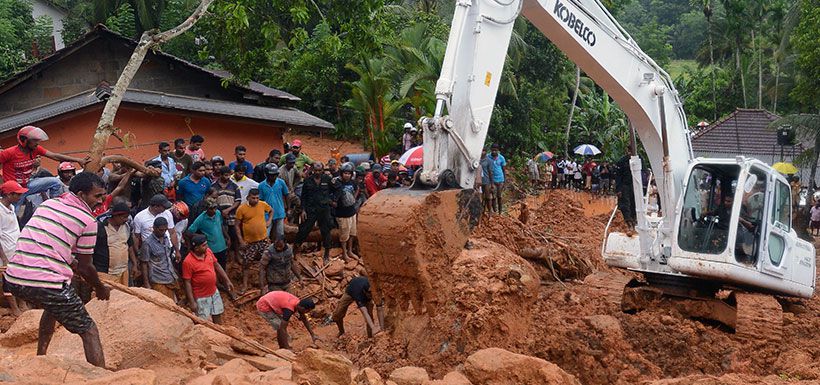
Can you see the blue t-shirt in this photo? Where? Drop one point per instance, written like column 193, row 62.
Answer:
column 497, row 164
column 211, row 227
column 273, row 195
column 248, row 167
column 192, row 192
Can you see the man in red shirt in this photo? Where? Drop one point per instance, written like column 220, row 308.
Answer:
column 277, row 307
column 199, row 271
column 375, row 180
column 20, row 161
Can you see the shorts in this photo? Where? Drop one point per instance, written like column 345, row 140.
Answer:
column 487, row 191
column 254, row 250
column 63, row 304
column 275, row 320
column 210, row 306
column 121, row 278
column 815, row 224
column 166, row 289
column 347, row 228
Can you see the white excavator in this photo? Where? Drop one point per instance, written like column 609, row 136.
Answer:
column 723, row 245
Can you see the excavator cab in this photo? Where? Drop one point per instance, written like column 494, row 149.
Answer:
column 735, row 225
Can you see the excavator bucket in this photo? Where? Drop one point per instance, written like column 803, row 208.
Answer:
column 409, row 239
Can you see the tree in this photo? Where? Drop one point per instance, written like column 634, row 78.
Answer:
column 806, row 42
column 149, row 40
column 18, row 32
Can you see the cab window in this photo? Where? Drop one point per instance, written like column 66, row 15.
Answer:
column 707, row 208
column 782, row 207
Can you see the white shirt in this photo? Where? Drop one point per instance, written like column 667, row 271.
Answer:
column 144, row 222
column 245, row 185
column 9, row 230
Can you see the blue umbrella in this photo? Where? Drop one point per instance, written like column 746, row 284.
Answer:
column 587, row 149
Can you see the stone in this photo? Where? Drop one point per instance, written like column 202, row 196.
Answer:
column 322, row 367
column 368, row 376
column 232, row 372
column 606, row 324
column 137, row 334
column 50, row 369
column 501, row 367
column 24, row 329
column 335, row 269
column 409, row 375
column 452, row 378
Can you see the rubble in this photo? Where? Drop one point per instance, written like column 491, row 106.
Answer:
column 409, row 375
column 322, row 367
column 500, row 367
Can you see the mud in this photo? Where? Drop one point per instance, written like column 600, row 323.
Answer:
column 563, row 315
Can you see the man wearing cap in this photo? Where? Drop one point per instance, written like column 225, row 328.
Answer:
column 300, row 158
column 293, row 180
column 115, row 245
column 61, row 235
column 144, row 222
column 346, row 193
column 192, row 188
column 274, row 156
column 211, row 224
column 276, row 268
column 228, row 200
column 66, row 171
column 277, row 307
column 274, row 192
column 157, row 269
column 10, row 193
column 375, row 180
column 217, row 162
column 199, row 272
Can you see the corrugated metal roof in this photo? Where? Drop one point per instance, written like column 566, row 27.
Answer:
column 743, row 132
column 288, row 116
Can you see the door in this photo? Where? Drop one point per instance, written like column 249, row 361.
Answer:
column 778, row 240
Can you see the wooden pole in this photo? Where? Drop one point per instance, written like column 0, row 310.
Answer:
column 199, row 321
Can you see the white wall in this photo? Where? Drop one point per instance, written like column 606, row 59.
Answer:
column 56, row 15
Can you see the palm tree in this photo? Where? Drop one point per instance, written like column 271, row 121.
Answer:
column 373, row 94
column 419, row 56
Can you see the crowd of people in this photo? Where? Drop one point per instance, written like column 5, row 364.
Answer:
column 175, row 226
column 569, row 173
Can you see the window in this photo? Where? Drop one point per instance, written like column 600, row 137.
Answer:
column 707, row 208
column 782, row 207
column 776, row 247
column 749, row 224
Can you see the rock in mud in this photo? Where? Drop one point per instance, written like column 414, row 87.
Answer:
column 47, row 370
column 368, row 376
column 500, row 367
column 322, row 367
column 23, row 330
column 136, row 333
column 409, row 375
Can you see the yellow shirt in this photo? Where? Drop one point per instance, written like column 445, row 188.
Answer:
column 254, row 226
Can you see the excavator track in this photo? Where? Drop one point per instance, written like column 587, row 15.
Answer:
column 759, row 318
column 610, row 285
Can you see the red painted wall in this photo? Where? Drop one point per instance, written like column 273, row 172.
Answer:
column 71, row 133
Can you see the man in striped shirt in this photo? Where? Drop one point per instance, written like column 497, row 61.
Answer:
column 60, row 235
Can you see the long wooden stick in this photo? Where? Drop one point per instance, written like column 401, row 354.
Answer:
column 199, row 321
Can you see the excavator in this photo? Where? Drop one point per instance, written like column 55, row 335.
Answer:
column 723, row 246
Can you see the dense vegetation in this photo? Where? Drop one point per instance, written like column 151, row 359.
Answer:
column 371, row 65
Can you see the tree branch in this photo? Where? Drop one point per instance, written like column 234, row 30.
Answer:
column 148, row 40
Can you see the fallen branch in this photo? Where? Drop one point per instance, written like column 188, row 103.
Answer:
column 199, row 321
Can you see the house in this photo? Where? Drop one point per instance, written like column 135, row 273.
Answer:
column 746, row 132
column 57, row 14
column 168, row 98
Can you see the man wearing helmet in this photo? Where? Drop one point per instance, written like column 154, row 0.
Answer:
column 20, row 162
column 346, row 191
column 407, row 138
column 274, row 192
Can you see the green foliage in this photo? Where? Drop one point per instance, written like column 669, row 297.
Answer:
column 806, row 42
column 122, row 21
column 18, row 30
column 695, row 87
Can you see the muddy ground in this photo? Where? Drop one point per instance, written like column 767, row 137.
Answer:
column 540, row 307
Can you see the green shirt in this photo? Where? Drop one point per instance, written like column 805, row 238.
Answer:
column 301, row 161
column 212, row 228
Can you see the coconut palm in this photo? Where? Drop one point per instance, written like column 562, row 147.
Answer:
column 374, row 95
